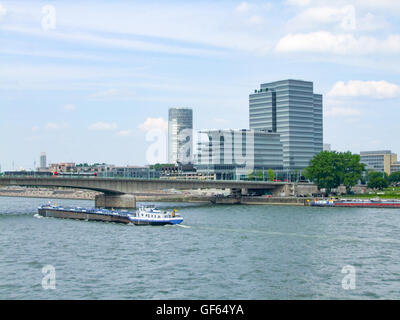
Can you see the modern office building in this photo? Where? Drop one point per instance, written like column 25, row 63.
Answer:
column 43, row 160
column 231, row 153
column 380, row 161
column 292, row 109
column 180, row 135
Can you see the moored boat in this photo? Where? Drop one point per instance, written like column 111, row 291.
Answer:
column 357, row 203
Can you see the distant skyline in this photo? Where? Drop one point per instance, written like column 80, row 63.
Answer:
column 84, row 82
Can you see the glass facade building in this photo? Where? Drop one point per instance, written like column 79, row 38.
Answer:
column 231, row 153
column 180, row 135
column 292, row 109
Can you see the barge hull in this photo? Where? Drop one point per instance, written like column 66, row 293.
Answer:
column 82, row 216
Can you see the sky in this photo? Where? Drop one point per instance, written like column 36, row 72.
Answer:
column 89, row 81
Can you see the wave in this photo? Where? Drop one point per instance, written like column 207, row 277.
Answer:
column 183, row 226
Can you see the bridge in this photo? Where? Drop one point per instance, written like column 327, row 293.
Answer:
column 120, row 193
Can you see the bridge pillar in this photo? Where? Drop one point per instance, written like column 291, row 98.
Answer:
column 236, row 193
column 282, row 191
column 113, row 201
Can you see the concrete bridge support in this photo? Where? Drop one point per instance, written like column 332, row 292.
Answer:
column 236, row 193
column 282, row 191
column 113, row 201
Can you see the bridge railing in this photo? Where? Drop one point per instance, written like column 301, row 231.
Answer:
column 85, row 177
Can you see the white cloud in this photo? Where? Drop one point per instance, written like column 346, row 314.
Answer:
column 154, row 123
column 364, row 4
column 344, row 17
column 69, row 107
column 371, row 22
column 256, row 19
column 298, row 2
column 140, row 27
column 357, row 88
column 3, row 11
column 103, row 126
column 340, row 18
column 243, row 7
column 116, row 42
column 342, row 44
column 251, row 14
column 390, row 5
column 35, row 128
column 55, row 126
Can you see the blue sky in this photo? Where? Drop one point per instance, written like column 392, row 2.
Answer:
column 85, row 81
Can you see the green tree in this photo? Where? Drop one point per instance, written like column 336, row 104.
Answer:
column 271, row 174
column 330, row 169
column 260, row 175
column 378, row 180
column 351, row 169
column 323, row 170
column 250, row 175
column 394, row 177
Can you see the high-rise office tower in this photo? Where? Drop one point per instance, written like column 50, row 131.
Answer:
column 292, row 109
column 180, row 135
column 43, row 160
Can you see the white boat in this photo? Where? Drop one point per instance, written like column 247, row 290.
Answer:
column 150, row 215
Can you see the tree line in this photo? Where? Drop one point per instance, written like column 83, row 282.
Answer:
column 331, row 169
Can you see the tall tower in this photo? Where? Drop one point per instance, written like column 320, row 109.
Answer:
column 43, row 160
column 180, row 135
column 290, row 108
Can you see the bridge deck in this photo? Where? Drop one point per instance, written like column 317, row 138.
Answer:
column 130, row 186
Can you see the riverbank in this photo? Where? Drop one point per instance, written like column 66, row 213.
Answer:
column 149, row 197
column 172, row 196
column 91, row 195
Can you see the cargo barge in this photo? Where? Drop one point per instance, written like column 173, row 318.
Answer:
column 357, row 203
column 144, row 216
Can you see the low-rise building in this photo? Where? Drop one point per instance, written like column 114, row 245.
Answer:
column 63, row 167
column 395, row 167
column 380, row 161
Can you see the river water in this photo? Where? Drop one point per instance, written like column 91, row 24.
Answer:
column 220, row 252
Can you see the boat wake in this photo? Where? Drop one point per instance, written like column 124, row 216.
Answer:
column 183, row 226
column 37, row 216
